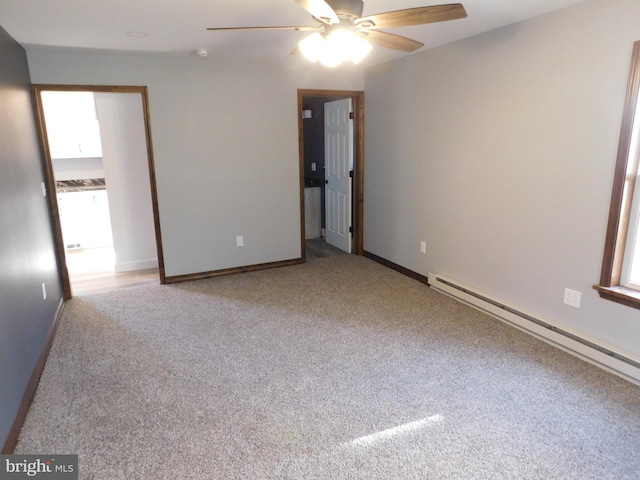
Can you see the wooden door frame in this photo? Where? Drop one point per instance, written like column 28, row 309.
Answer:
column 358, row 161
column 50, row 182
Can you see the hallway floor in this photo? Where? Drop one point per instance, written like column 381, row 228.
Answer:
column 92, row 270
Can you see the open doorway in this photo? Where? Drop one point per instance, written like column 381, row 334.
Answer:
column 313, row 174
column 99, row 170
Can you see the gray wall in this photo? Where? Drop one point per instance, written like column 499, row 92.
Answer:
column 26, row 246
column 225, row 139
column 498, row 152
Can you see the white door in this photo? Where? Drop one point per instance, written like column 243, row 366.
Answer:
column 338, row 153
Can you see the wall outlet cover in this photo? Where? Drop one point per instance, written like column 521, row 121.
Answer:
column 572, row 297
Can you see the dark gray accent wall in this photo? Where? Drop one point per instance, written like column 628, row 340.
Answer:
column 27, row 258
column 314, row 140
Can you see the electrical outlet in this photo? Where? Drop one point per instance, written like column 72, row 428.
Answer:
column 572, row 297
column 423, row 247
column 239, row 241
column 44, row 291
column 314, row 167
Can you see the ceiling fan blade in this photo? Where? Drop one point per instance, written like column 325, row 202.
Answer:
column 392, row 41
column 298, row 28
column 414, row 16
column 321, row 10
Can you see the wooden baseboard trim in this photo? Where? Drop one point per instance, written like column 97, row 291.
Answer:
column 397, row 268
column 32, row 386
column 231, row 271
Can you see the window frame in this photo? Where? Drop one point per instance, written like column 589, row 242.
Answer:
column 610, row 287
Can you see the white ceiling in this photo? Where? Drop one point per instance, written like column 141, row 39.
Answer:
column 179, row 27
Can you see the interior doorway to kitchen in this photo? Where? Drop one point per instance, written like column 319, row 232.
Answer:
column 99, row 170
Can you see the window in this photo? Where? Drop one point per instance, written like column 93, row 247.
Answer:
column 630, row 277
column 620, row 277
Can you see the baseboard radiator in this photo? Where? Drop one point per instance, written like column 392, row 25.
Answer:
column 623, row 364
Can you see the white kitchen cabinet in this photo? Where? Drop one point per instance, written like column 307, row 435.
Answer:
column 84, row 217
column 72, row 124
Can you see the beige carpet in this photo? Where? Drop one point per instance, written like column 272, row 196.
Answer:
column 336, row 369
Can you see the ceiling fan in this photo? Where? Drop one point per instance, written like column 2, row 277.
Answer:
column 342, row 33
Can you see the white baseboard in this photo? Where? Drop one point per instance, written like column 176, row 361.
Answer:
column 610, row 358
column 138, row 265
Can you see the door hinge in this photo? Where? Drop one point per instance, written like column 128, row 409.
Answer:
column 350, row 173
column 350, row 229
column 350, row 115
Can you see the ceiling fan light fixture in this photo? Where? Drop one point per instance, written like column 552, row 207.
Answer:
column 360, row 48
column 343, row 34
column 330, row 59
column 312, row 46
column 334, row 50
column 338, row 46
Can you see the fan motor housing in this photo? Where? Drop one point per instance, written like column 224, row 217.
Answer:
column 351, row 7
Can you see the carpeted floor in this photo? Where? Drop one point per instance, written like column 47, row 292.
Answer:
column 336, row 369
